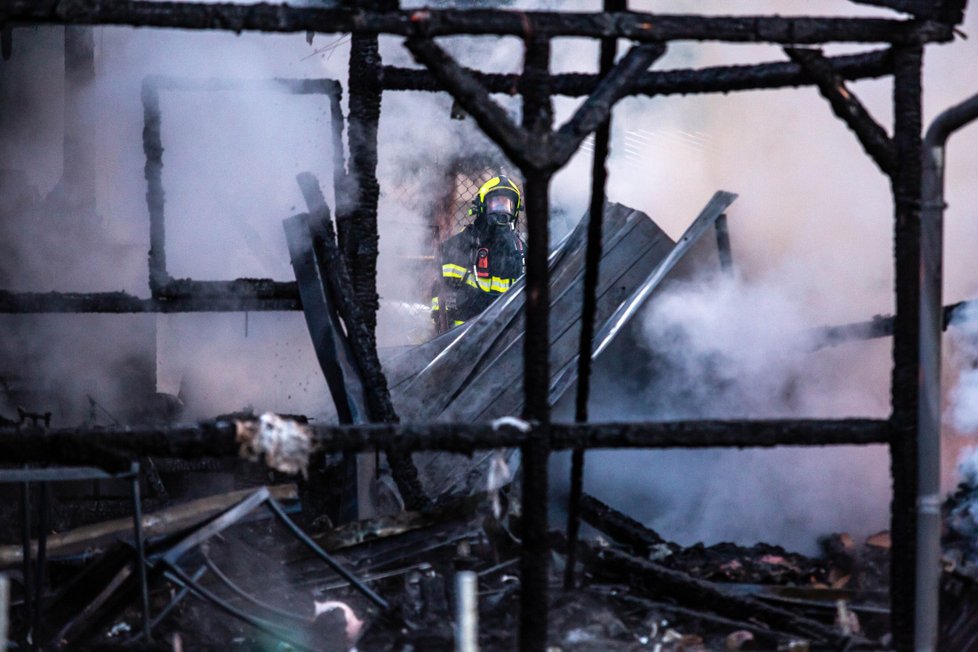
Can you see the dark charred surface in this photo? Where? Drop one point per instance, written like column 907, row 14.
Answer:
column 216, row 439
column 433, row 22
column 716, row 79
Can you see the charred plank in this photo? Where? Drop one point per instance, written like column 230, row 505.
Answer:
column 715, row 79
column 434, row 22
column 217, row 438
column 618, row 526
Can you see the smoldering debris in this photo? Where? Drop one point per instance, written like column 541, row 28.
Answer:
column 258, row 586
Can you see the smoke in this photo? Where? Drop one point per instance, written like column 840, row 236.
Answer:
column 812, row 240
column 961, row 412
column 812, row 236
column 230, row 160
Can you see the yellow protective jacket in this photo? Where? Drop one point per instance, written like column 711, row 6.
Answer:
column 477, row 266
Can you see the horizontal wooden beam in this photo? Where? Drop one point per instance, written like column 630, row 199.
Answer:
column 224, row 438
column 442, row 22
column 714, row 79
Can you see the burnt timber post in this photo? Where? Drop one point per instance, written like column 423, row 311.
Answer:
column 534, row 561
column 357, row 230
column 906, row 328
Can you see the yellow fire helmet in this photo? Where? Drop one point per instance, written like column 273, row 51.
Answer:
column 499, row 195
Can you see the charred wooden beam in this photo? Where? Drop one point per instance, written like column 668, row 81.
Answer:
column 597, row 108
column 525, row 147
column 474, row 98
column 878, row 326
column 218, row 438
column 904, row 394
column 92, row 538
column 618, row 526
column 947, row 11
column 715, row 79
column 443, row 22
column 294, row 86
column 848, row 108
column 332, row 267
column 329, row 340
column 657, row 580
column 359, row 232
column 280, row 296
column 768, row 636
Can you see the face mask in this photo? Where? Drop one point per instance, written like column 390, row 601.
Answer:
column 498, row 219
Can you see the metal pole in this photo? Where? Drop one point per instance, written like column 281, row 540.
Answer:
column 466, row 612
column 4, row 611
column 42, row 525
column 929, row 407
column 137, row 516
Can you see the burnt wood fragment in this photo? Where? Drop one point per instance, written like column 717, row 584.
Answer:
column 589, row 300
column 535, row 548
column 359, row 233
column 847, row 107
column 878, row 326
column 714, row 79
column 474, row 98
column 442, row 22
column 904, row 394
column 337, row 277
column 597, row 107
column 947, row 11
column 217, row 438
column 618, row 526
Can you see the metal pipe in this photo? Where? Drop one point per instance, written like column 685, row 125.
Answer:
column 137, row 529
column 466, row 612
column 42, row 526
column 929, row 406
column 25, row 536
column 4, row 611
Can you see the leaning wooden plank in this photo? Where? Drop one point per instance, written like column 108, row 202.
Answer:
column 173, row 519
column 625, row 264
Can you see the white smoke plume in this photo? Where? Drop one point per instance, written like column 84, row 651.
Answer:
column 962, row 408
column 812, row 239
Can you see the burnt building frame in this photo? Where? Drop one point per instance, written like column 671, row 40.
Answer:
column 540, row 152
column 262, row 294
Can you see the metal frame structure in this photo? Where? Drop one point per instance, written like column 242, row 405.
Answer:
column 33, row 604
column 539, row 151
column 190, row 295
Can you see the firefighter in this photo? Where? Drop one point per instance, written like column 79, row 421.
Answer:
column 484, row 260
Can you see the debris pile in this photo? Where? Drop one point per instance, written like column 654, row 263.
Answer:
column 251, row 579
